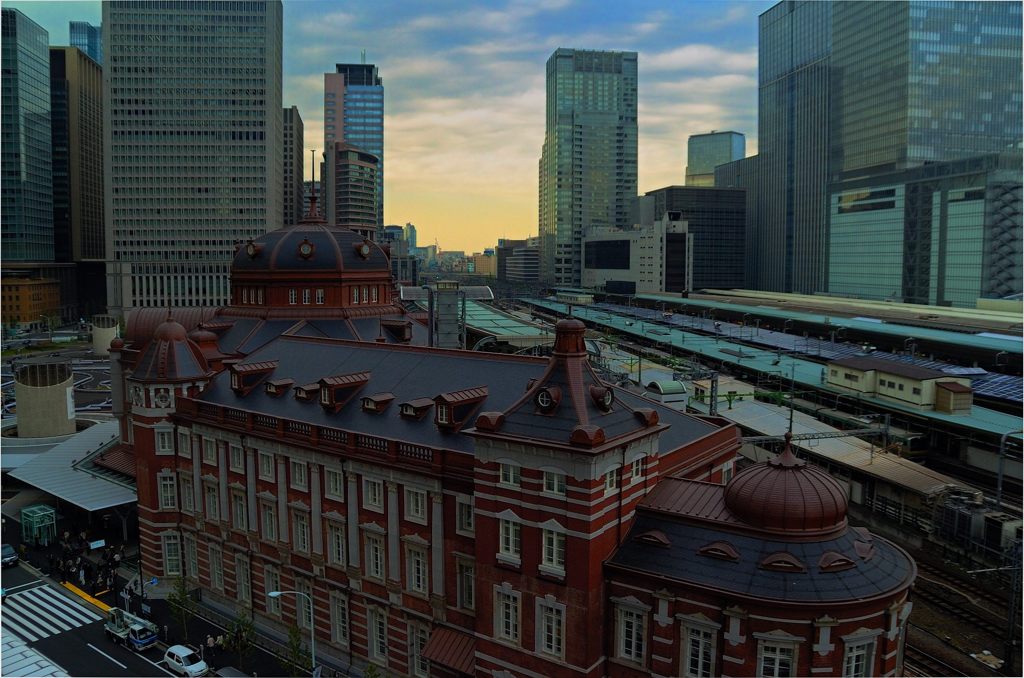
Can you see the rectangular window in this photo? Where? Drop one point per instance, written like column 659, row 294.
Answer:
column 418, row 637
column 303, row 610
column 373, row 295
column 336, row 543
column 209, row 451
column 216, row 569
column 510, row 545
column 611, row 480
column 212, row 502
column 184, row 444
column 776, row 661
column 464, row 517
column 509, row 475
column 191, row 557
column 375, row 556
column 272, row 582
column 915, row 391
column 506, row 608
column 466, row 572
column 320, row 295
column 239, row 518
column 638, row 467
column 366, row 294
column 300, row 530
column 416, row 576
column 172, row 554
column 306, row 296
column 339, row 618
column 266, row 466
column 554, row 549
column 552, row 620
column 554, row 482
column 355, row 295
column 300, row 479
column 858, row 659
column 378, row 622
column 168, row 493
column 237, row 459
column 442, row 414
column 373, row 494
column 415, row 505
column 631, row 635
column 700, row 652
column 335, row 485
column 164, row 442
column 292, row 296
column 268, row 521
column 243, row 583
column 899, row 387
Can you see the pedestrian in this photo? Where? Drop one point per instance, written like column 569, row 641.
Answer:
column 81, row 577
column 117, row 560
column 166, row 635
column 210, row 643
column 220, row 642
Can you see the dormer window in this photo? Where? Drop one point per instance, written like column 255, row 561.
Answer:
column 247, row 376
column 833, row 561
column 603, row 397
column 337, row 390
column 455, row 407
column 378, row 402
column 782, row 561
column 415, row 409
column 236, row 381
column 325, row 395
column 277, row 387
column 654, row 538
column 443, row 412
column 547, row 398
column 722, row 550
column 307, row 392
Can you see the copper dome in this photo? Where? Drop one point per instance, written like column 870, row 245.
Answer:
column 170, row 330
column 170, row 355
column 310, row 247
column 786, row 495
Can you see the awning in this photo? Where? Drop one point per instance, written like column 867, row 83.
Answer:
column 55, row 471
column 452, row 648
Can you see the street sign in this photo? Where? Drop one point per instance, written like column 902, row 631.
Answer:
column 145, row 609
column 151, row 582
column 98, row 544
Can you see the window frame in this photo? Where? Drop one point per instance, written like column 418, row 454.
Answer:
column 232, row 466
column 377, row 634
column 544, row 646
column 265, row 472
column 209, row 451
column 417, row 570
column 170, row 547
column 239, row 510
column 507, row 615
column 464, row 509
column 336, row 543
column 509, row 475
column 211, row 501
column 168, row 499
column 422, row 498
column 555, row 483
column 329, row 493
column 688, row 647
column 301, row 536
column 268, row 521
column 553, row 546
column 636, row 637
column 375, row 564
column 341, row 619
column 298, row 472
column 378, row 505
column 465, row 584
column 776, row 646
column 242, row 565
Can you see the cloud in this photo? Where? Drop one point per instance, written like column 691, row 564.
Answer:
column 509, row 19
column 701, row 57
column 735, row 14
column 327, row 23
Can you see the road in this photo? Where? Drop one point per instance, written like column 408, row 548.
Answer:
column 68, row 631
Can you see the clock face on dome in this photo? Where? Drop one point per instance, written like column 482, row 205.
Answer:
column 306, row 249
column 364, row 250
column 250, row 249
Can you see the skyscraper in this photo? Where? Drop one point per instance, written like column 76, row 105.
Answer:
column 704, row 152
column 354, row 114
column 76, row 95
column 294, row 159
column 87, row 38
column 588, row 164
column 351, row 181
column 27, row 202
column 193, row 134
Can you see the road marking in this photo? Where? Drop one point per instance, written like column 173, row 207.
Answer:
column 35, row 582
column 156, row 664
column 41, row 611
column 106, row 655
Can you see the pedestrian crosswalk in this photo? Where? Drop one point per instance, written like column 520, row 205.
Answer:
column 41, row 612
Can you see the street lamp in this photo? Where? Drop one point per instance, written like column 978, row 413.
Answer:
column 312, row 629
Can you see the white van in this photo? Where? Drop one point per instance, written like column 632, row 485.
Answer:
column 184, row 661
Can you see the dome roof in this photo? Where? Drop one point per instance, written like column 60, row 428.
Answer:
column 786, row 495
column 311, row 247
column 170, row 355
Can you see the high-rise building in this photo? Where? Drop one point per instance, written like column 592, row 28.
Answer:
column 354, row 114
column 705, row 152
column 921, row 82
column 794, row 74
column 192, row 171
column 588, row 164
column 87, row 38
column 76, row 96
column 351, row 181
column 27, row 202
column 410, row 234
column 294, row 157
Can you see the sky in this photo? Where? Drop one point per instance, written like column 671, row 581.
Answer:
column 464, row 91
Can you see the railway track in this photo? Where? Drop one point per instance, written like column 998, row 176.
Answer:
column 917, row 662
column 986, row 598
column 958, row 610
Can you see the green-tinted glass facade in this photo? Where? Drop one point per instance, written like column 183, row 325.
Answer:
column 705, row 152
column 27, row 200
column 588, row 165
column 917, row 82
column 944, row 234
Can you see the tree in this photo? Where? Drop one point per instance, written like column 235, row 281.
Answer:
column 296, row 654
column 371, row 671
column 182, row 606
column 241, row 636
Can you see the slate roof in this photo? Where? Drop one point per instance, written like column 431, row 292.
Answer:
column 334, row 250
column 889, row 569
column 867, row 363
column 410, row 373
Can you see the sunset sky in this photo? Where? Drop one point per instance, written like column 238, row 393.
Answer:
column 464, row 91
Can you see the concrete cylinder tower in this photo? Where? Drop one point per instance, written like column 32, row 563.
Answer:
column 45, row 393
column 104, row 330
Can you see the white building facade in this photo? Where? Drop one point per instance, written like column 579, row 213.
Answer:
column 193, row 139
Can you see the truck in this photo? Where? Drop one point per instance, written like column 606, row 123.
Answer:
column 133, row 632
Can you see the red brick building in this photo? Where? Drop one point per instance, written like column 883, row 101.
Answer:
column 449, row 512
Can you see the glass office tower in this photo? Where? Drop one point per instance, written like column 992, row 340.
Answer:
column 923, row 81
column 705, row 152
column 27, row 203
column 588, row 164
column 87, row 38
column 193, row 138
column 354, row 114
